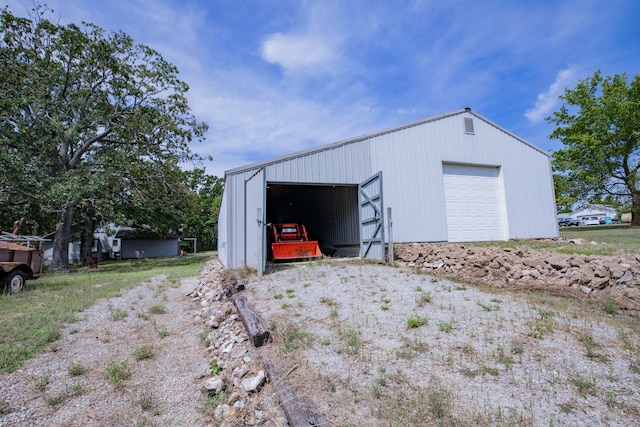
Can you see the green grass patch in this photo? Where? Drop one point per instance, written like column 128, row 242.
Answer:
column 592, row 347
column 118, row 314
column 488, row 307
column 446, row 326
column 585, row 385
column 157, row 309
column 350, row 339
column 611, row 239
column 415, row 321
column 64, row 395
column 294, row 338
column 610, row 306
column 33, row 318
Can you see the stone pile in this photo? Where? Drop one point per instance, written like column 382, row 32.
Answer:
column 617, row 276
column 236, row 369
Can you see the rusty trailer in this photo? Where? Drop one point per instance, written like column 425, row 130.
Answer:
column 20, row 259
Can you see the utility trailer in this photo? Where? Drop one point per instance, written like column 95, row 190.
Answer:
column 20, row 259
column 290, row 241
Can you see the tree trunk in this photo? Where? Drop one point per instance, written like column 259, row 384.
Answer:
column 87, row 241
column 635, row 208
column 60, row 259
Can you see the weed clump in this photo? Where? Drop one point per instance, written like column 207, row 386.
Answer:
column 117, row 372
column 415, row 321
column 350, row 339
column 423, row 299
column 144, row 352
column 76, row 369
column 157, row 309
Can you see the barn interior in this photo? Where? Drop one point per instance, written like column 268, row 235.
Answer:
column 329, row 213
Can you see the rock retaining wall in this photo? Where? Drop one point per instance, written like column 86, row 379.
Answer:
column 618, row 276
column 239, row 376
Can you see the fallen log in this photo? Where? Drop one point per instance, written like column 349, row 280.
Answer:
column 253, row 324
column 299, row 412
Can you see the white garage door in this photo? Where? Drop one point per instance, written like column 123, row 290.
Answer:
column 473, row 203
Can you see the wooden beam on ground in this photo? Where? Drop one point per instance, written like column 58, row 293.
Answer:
column 299, row 412
column 252, row 322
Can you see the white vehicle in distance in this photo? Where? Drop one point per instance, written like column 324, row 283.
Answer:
column 592, row 220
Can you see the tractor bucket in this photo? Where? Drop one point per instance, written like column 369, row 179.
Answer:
column 295, row 250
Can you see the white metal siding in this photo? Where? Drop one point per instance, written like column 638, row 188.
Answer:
column 254, row 219
column 223, row 224
column 346, row 164
column 473, row 203
column 411, row 159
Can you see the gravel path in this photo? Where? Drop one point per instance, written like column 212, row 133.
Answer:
column 468, row 356
column 163, row 389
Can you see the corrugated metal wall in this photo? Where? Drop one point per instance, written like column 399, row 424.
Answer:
column 345, row 164
column 411, row 160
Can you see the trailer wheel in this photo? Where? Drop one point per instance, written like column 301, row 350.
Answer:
column 15, row 281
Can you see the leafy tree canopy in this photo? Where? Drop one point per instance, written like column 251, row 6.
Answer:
column 90, row 123
column 599, row 127
column 200, row 217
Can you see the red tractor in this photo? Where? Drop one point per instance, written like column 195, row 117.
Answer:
column 290, row 241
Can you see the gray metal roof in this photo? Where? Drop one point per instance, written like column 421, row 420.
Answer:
column 375, row 134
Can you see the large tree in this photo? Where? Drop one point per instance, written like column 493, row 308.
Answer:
column 200, row 217
column 91, row 125
column 599, row 126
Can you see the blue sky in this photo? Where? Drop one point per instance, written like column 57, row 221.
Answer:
column 271, row 77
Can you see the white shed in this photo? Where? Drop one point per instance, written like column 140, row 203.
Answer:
column 455, row 177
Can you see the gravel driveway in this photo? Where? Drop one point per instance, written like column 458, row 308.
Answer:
column 376, row 345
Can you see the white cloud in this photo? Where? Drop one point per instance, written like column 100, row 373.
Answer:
column 547, row 101
column 293, row 51
column 251, row 119
column 313, row 45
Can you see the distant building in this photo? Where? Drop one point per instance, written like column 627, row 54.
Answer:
column 119, row 243
column 135, row 243
column 597, row 211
